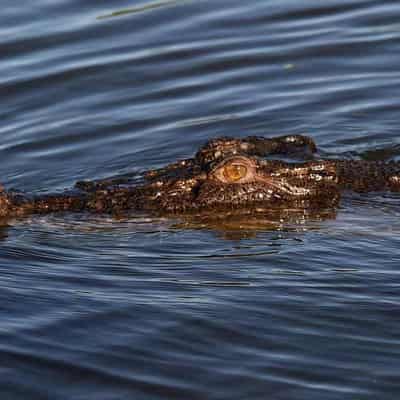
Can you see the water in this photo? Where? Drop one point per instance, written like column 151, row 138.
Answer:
column 146, row 308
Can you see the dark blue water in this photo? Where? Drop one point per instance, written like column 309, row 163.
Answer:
column 149, row 308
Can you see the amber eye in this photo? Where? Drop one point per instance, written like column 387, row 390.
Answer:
column 238, row 169
column 234, row 172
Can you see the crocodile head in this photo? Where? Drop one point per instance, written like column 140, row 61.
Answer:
column 239, row 181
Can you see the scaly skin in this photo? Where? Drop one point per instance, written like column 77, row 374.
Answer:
column 226, row 173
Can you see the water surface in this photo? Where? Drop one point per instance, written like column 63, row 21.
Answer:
column 146, row 308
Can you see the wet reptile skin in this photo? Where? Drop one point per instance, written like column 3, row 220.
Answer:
column 225, row 173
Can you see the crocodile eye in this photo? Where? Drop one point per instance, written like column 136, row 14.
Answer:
column 234, row 172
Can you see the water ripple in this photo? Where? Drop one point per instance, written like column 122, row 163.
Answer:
column 144, row 307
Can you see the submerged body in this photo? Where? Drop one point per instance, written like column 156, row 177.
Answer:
column 224, row 174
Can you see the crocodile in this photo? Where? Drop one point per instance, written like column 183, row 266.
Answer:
column 225, row 174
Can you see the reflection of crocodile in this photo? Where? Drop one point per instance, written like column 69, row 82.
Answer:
column 225, row 174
